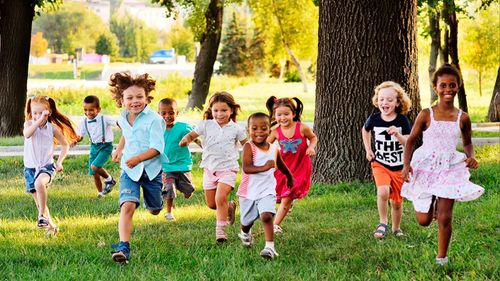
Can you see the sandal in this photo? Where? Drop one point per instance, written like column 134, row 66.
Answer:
column 382, row 231
column 398, row 233
column 43, row 222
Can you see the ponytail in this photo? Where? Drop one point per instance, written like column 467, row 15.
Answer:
column 270, row 107
column 295, row 105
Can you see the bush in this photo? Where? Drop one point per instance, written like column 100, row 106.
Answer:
column 292, row 76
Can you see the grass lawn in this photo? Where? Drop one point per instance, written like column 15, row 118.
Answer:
column 327, row 236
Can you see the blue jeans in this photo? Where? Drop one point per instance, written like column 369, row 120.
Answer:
column 151, row 189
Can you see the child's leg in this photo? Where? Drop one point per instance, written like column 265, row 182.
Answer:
column 100, row 171
column 125, row 226
column 246, row 228
column 98, row 182
column 397, row 213
column 41, row 191
column 445, row 213
column 170, row 203
column 267, row 222
column 210, row 198
column 425, row 219
column 221, row 202
column 286, row 202
column 382, row 199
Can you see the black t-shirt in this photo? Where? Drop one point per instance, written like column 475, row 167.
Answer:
column 387, row 149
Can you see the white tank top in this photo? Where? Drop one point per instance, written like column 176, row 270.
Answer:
column 259, row 185
column 39, row 148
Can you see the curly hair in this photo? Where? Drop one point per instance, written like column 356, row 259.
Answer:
column 120, row 81
column 402, row 98
column 295, row 105
column 224, row 97
column 446, row 69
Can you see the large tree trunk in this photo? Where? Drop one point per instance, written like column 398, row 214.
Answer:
column 208, row 54
column 361, row 44
column 453, row 49
column 494, row 110
column 435, row 33
column 15, row 33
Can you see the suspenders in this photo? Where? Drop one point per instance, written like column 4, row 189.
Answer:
column 102, row 127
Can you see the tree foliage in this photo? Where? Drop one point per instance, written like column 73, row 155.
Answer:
column 234, row 54
column 107, row 44
column 181, row 39
column 38, row 45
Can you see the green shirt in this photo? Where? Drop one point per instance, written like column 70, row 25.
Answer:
column 178, row 158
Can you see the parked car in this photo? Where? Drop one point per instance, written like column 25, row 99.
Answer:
column 163, row 56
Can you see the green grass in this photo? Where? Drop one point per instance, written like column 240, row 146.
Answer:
column 481, row 134
column 327, row 236
column 64, row 71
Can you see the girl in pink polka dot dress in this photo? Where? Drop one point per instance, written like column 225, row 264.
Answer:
column 438, row 174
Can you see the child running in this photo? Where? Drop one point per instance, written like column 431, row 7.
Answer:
column 297, row 144
column 141, row 145
column 44, row 127
column 178, row 163
column 257, row 191
column 389, row 129
column 438, row 175
column 220, row 157
column 99, row 128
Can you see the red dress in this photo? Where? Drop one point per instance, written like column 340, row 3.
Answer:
column 293, row 152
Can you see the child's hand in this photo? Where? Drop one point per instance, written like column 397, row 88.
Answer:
column 45, row 113
column 183, row 142
column 290, row 182
column 133, row 161
column 471, row 162
column 406, row 172
column 116, row 155
column 59, row 167
column 370, row 156
column 269, row 164
column 393, row 131
column 310, row 152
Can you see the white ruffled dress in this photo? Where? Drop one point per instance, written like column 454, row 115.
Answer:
column 439, row 169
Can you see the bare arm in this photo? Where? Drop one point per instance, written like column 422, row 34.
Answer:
column 247, row 162
column 188, row 138
column 146, row 155
column 64, row 148
column 272, row 136
column 393, row 131
column 467, row 141
column 284, row 169
column 117, row 154
column 367, row 143
column 308, row 133
column 419, row 126
column 30, row 126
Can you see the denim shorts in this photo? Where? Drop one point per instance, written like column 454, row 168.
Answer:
column 30, row 176
column 151, row 189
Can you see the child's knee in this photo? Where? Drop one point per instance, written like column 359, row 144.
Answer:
column 444, row 218
column 154, row 212
column 266, row 217
column 212, row 205
column 396, row 206
column 94, row 168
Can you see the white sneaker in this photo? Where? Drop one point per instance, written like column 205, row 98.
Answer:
column 277, row 229
column 268, row 253
column 246, row 238
column 442, row 261
column 100, row 195
column 169, row 217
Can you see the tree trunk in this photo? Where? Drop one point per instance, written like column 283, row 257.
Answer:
column 494, row 109
column 15, row 35
column 208, row 54
column 480, row 78
column 435, row 33
column 453, row 49
column 361, row 44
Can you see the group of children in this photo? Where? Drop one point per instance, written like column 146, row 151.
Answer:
column 276, row 163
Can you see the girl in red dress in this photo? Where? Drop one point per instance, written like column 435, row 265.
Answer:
column 297, row 143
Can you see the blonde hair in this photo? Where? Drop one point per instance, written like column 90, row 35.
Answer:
column 402, row 98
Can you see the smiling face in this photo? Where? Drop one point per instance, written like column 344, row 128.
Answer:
column 91, row 110
column 387, row 102
column 446, row 87
column 259, row 129
column 221, row 112
column 284, row 116
column 168, row 113
column 37, row 110
column 134, row 99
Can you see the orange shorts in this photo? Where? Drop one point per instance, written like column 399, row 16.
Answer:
column 385, row 177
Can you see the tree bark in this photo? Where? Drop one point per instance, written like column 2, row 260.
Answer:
column 361, row 44
column 494, row 109
column 208, row 54
column 15, row 35
column 435, row 33
column 453, row 49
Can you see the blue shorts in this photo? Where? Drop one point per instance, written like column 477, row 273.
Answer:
column 30, row 176
column 151, row 189
column 99, row 155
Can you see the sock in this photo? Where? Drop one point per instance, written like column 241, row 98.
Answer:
column 245, row 233
column 222, row 223
column 109, row 178
column 270, row 244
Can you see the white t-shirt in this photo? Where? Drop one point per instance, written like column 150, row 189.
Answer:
column 95, row 128
column 220, row 144
column 39, row 148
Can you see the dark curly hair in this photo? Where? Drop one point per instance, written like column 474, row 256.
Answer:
column 446, row 69
column 121, row 81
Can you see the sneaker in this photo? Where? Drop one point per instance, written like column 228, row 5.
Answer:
column 277, row 229
column 246, row 238
column 121, row 252
column 442, row 261
column 220, row 234
column 231, row 209
column 188, row 195
column 169, row 217
column 100, row 194
column 108, row 186
column 268, row 253
column 43, row 222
